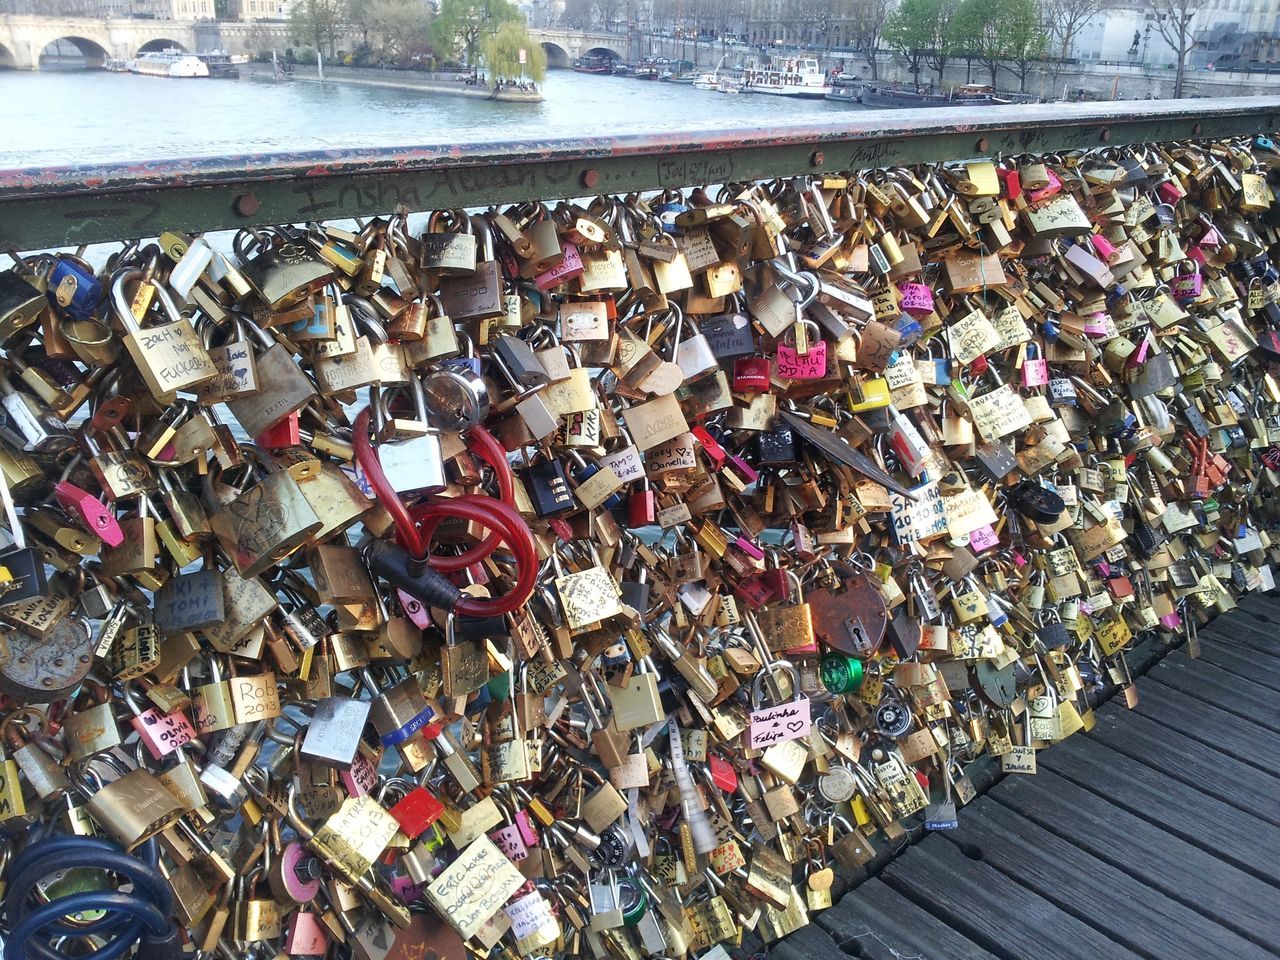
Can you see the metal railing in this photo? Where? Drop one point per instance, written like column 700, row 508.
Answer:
column 92, row 203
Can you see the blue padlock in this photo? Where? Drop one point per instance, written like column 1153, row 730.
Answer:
column 74, row 288
column 909, row 328
column 584, row 471
column 1050, row 329
column 667, row 213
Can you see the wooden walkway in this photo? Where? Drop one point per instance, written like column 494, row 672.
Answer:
column 1156, row 835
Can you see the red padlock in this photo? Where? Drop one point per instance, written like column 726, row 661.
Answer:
column 751, row 374
column 642, row 507
column 710, row 446
column 285, row 433
column 722, row 774
column 416, row 811
column 90, row 511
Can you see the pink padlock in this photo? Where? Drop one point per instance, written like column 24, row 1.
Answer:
column 306, row 935
column 1035, row 369
column 510, row 841
column 160, row 733
column 983, row 538
column 528, row 832
column 361, row 778
column 415, row 610
column 567, row 269
column 1187, row 286
column 90, row 511
column 1048, row 190
column 1095, row 325
column 793, row 365
column 295, row 882
column 1139, row 356
column 1104, row 248
column 749, row 548
column 917, row 299
column 743, row 470
column 1170, row 191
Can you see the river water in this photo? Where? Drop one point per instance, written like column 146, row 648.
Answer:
column 85, row 116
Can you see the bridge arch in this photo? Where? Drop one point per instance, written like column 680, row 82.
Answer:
column 159, row 44
column 557, row 56
column 93, row 53
column 608, row 52
column 7, row 61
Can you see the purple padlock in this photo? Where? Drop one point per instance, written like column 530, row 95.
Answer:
column 917, row 299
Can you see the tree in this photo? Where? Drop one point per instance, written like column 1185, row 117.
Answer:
column 1022, row 38
column 911, row 30
column 1174, row 22
column 868, row 20
column 502, row 55
column 997, row 32
column 577, row 14
column 976, row 31
column 1063, row 20
column 942, row 45
column 318, row 23
column 399, row 30
column 465, row 23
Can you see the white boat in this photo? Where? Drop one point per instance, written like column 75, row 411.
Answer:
column 792, row 77
column 710, row 81
column 729, row 86
column 169, row 63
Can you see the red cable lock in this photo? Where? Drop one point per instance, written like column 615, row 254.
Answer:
column 415, row 529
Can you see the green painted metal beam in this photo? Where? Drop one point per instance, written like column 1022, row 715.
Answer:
column 42, row 208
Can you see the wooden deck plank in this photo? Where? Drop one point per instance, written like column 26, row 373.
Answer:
column 1261, row 606
column 884, row 925
column 993, row 910
column 1188, row 874
column 1243, row 662
column 1115, row 904
column 1263, row 634
column 810, row 942
column 1246, row 634
column 1214, row 685
column 1208, row 770
column 1237, row 737
column 1226, row 831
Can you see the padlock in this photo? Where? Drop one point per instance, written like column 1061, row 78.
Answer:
column 170, row 357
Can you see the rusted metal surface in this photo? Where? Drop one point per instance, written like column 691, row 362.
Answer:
column 103, row 202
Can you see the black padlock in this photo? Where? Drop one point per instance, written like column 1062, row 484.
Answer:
column 548, row 486
column 1053, row 634
column 729, row 336
column 904, row 633
column 996, row 459
column 26, row 578
column 635, row 594
column 1034, row 501
column 1195, row 420
column 1147, row 538
column 778, row 447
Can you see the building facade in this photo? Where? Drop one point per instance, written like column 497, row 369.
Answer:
column 1228, row 33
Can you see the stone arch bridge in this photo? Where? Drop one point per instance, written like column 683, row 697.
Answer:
column 565, row 46
column 23, row 38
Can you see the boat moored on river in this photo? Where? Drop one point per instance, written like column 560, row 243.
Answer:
column 791, row 77
column 168, row 63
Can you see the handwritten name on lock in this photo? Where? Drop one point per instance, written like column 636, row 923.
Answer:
column 475, row 886
column 777, row 724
